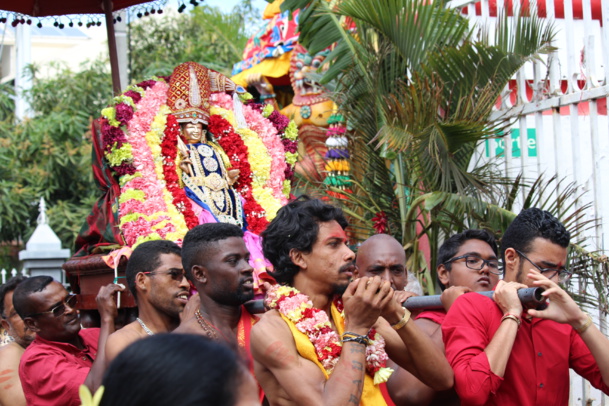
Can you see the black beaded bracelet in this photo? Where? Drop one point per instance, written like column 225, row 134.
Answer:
column 352, row 337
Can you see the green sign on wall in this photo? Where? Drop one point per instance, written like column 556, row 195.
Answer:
column 499, row 144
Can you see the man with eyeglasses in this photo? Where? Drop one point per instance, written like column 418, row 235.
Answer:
column 467, row 262
column 503, row 354
column 10, row 354
column 62, row 356
column 157, row 281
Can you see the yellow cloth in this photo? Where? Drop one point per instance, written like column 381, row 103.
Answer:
column 371, row 395
column 270, row 67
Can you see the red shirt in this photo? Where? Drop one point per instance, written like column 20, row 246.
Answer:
column 537, row 371
column 51, row 372
column 437, row 316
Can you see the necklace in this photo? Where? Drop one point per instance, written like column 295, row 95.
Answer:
column 209, row 329
column 315, row 324
column 146, row 329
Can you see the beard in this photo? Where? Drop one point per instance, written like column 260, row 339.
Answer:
column 243, row 295
column 340, row 288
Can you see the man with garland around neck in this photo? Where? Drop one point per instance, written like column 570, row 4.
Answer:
column 156, row 280
column 334, row 361
column 503, row 354
column 216, row 260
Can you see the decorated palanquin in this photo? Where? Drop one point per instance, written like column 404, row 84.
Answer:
column 173, row 153
column 273, row 58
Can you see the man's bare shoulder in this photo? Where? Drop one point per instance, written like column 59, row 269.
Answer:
column 131, row 332
column 10, row 354
column 11, row 393
column 120, row 339
column 272, row 341
column 271, row 324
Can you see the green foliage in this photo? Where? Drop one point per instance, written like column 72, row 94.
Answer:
column 205, row 35
column 417, row 85
column 49, row 154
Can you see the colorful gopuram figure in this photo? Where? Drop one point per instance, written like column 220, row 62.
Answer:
column 310, row 108
column 206, row 169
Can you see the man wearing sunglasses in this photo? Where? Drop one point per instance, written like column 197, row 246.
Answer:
column 62, row 356
column 503, row 354
column 157, row 281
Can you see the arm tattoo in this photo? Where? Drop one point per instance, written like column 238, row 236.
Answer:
column 358, row 366
column 357, row 349
column 354, row 399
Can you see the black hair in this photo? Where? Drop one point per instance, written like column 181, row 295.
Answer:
column 198, row 240
column 158, row 370
column 530, row 224
column 451, row 246
column 146, row 257
column 296, row 226
column 23, row 291
column 7, row 287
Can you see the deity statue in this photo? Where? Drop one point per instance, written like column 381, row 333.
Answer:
column 206, row 169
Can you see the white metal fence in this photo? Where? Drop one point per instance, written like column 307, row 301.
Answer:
column 6, row 275
column 559, row 108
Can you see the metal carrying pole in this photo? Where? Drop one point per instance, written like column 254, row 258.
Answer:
column 530, row 298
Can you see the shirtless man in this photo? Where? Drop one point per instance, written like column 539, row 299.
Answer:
column 10, row 354
column 216, row 261
column 156, row 279
column 383, row 255
column 307, row 245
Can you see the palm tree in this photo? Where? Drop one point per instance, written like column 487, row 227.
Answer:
column 417, row 84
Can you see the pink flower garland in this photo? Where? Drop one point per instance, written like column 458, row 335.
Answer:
column 313, row 322
column 147, row 182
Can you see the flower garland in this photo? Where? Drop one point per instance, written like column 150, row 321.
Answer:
column 313, row 322
column 287, row 131
column 133, row 127
column 169, row 152
column 260, row 162
column 278, row 133
column 268, row 135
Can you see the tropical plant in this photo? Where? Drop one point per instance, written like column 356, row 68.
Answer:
column 205, row 35
column 417, row 85
column 48, row 154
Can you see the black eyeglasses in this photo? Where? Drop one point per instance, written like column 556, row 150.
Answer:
column 175, row 274
column 57, row 311
column 477, row 263
column 563, row 274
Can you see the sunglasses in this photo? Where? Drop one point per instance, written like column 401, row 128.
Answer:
column 175, row 274
column 57, row 311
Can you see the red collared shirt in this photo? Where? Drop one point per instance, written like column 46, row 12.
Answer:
column 51, row 372
column 537, row 371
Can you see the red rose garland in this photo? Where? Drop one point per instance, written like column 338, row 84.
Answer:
column 169, row 152
column 237, row 153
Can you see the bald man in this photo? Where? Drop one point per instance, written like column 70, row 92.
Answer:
column 466, row 262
